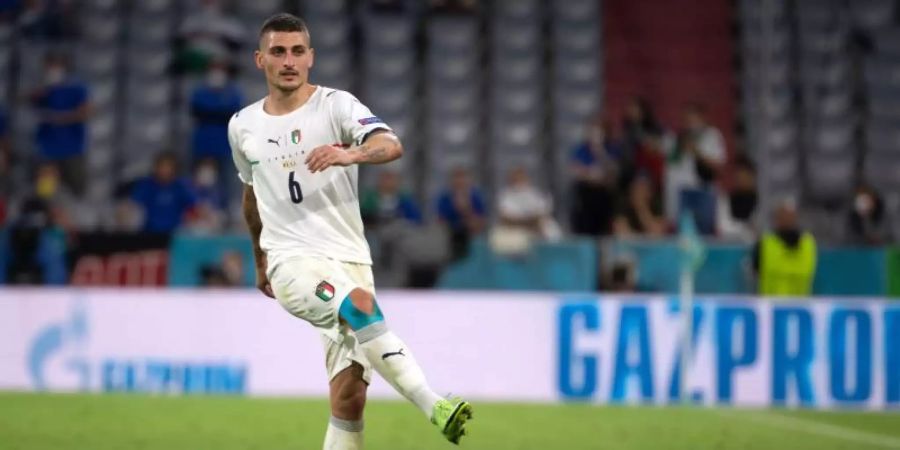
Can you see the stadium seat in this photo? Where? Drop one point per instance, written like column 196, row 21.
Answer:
column 331, row 34
column 508, row 68
column 577, row 39
column 516, row 36
column 389, row 65
column 882, row 171
column 317, row 9
column 575, row 10
column 872, row 14
column 830, row 176
column 519, row 10
column 459, row 34
column 887, row 43
column 388, row 31
column 516, row 100
column 883, row 137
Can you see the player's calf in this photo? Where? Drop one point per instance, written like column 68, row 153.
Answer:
column 348, row 399
column 348, row 394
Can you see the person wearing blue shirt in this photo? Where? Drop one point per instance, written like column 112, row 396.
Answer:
column 462, row 208
column 5, row 163
column 4, row 130
column 212, row 104
column 164, row 197
column 598, row 167
column 63, row 106
column 388, row 202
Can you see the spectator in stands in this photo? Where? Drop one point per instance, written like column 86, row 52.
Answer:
column 47, row 19
column 736, row 212
column 785, row 258
column 5, row 165
column 645, row 142
column 388, row 203
column 213, row 102
column 208, row 214
column 63, row 108
column 693, row 168
column 641, row 213
column 621, row 276
column 50, row 190
column 596, row 165
column 867, row 221
column 164, row 198
column 228, row 273
column 462, row 209
column 388, row 6
column 207, row 34
column 454, row 6
column 393, row 220
column 36, row 247
column 9, row 9
column 525, row 208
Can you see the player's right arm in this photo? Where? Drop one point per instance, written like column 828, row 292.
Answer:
column 248, row 205
column 254, row 224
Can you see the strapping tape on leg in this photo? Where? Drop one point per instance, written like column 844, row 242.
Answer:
column 356, row 318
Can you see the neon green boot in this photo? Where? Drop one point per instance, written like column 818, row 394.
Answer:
column 451, row 416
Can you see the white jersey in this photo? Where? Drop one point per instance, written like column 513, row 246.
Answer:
column 304, row 214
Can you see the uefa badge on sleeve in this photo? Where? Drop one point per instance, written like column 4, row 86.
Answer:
column 325, row 291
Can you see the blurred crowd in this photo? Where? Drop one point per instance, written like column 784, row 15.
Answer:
column 632, row 176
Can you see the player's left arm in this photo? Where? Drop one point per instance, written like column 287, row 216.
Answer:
column 379, row 147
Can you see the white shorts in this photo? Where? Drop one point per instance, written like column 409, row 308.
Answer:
column 312, row 289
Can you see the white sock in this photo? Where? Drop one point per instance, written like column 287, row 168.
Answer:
column 393, row 360
column 344, row 435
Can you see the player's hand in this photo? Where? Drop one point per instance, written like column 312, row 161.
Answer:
column 325, row 156
column 262, row 283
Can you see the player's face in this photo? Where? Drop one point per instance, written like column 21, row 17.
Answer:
column 286, row 58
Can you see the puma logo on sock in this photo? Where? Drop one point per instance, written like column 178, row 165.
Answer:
column 388, row 355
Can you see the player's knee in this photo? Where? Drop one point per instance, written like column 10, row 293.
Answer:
column 360, row 310
column 363, row 301
column 350, row 403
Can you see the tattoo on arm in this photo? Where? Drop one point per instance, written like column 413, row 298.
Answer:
column 380, row 147
column 372, row 153
column 254, row 223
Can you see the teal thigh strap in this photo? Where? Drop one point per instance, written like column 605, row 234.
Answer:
column 356, row 318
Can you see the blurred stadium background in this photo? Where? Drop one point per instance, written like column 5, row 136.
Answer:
column 578, row 173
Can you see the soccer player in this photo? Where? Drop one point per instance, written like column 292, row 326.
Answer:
column 297, row 151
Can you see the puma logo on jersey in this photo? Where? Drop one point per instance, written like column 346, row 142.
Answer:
column 389, row 354
column 275, row 141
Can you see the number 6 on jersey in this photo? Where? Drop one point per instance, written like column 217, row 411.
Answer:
column 294, row 188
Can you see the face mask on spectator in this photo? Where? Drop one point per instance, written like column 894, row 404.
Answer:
column 206, row 176
column 217, row 78
column 54, row 75
column 863, row 204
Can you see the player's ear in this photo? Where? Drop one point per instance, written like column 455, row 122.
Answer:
column 258, row 56
column 312, row 57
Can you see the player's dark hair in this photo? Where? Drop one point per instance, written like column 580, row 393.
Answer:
column 283, row 22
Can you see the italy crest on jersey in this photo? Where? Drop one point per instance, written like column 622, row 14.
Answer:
column 325, row 291
column 295, row 136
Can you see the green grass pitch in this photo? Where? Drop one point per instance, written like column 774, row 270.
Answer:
column 121, row 422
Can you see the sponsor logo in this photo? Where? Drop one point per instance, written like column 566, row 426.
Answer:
column 59, row 359
column 276, row 141
column 370, row 120
column 389, row 354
